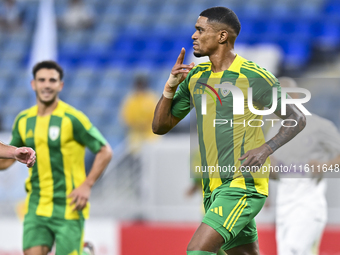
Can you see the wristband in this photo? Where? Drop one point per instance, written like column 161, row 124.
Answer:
column 168, row 95
column 174, row 80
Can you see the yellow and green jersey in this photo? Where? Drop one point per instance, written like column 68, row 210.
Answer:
column 223, row 143
column 59, row 140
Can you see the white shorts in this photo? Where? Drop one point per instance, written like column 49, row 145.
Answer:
column 300, row 232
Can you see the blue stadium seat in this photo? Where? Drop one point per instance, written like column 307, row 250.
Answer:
column 78, row 102
column 82, row 86
column 4, row 81
column 15, row 45
column 107, row 27
column 7, row 121
column 297, row 53
column 147, row 63
column 60, row 7
column 21, row 85
column 262, row 28
column 280, row 9
column 117, row 60
column 15, row 104
column 9, row 64
column 309, row 9
column 332, row 8
column 298, row 29
column 73, row 42
column 145, row 35
column 253, row 10
column 123, row 44
column 114, row 9
column 109, row 77
column 327, row 34
column 91, row 62
column 30, row 15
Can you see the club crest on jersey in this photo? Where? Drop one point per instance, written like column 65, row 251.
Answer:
column 54, row 132
column 224, row 91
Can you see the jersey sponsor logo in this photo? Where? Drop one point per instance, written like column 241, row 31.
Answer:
column 54, row 132
column 30, row 134
column 217, row 210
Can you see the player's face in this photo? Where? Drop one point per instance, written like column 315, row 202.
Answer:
column 205, row 38
column 47, row 85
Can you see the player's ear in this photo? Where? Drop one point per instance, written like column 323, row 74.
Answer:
column 223, row 36
column 61, row 86
column 33, row 85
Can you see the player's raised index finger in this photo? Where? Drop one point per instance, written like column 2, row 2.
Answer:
column 180, row 58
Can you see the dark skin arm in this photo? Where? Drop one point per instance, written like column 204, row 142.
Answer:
column 163, row 120
column 258, row 156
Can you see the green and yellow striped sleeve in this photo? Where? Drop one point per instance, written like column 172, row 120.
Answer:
column 262, row 82
column 84, row 132
column 16, row 139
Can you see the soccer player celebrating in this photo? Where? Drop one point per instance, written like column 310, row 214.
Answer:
column 57, row 186
column 24, row 155
column 233, row 198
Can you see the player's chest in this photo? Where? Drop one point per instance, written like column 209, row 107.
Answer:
column 51, row 132
column 218, row 94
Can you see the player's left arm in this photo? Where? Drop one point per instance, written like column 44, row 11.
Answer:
column 82, row 193
column 296, row 122
column 88, row 135
column 258, row 156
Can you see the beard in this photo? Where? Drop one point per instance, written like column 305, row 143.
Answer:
column 197, row 55
column 45, row 102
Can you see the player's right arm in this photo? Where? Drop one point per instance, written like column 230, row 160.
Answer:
column 164, row 120
column 11, row 153
column 6, row 152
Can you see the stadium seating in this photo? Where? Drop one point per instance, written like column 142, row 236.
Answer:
column 143, row 35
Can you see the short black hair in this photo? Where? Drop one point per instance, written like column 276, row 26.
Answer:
column 48, row 64
column 223, row 15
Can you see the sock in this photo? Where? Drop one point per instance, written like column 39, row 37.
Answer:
column 200, row 253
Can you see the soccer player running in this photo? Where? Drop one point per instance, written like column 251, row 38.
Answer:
column 301, row 203
column 57, row 187
column 232, row 199
column 24, row 155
